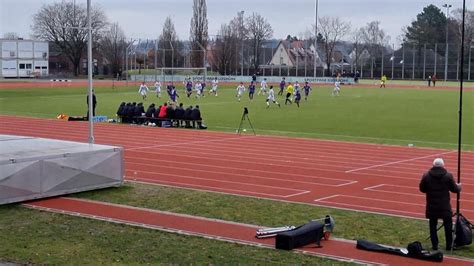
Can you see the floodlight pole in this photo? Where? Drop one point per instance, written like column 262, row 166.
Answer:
column 315, row 33
column 461, row 81
column 446, row 51
column 89, row 73
column 242, row 43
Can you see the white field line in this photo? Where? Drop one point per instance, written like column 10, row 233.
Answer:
column 400, row 161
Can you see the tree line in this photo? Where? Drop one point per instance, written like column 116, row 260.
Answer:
column 64, row 24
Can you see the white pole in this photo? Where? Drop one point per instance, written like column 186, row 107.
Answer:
column 315, row 33
column 446, row 50
column 89, row 72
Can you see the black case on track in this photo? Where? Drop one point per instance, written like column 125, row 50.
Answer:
column 311, row 232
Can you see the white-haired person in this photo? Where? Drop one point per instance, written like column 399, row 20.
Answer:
column 143, row 90
column 436, row 184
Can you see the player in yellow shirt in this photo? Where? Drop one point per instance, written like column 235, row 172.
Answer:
column 289, row 91
column 382, row 81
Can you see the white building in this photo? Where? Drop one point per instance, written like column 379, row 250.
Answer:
column 23, row 58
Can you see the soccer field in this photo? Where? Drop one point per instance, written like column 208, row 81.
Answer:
column 363, row 113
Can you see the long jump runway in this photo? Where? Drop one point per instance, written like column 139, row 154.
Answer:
column 364, row 177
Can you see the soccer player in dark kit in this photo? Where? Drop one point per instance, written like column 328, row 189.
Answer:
column 251, row 90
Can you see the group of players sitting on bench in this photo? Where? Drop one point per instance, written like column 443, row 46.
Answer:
column 166, row 115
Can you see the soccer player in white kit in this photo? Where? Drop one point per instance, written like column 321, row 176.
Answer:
column 263, row 87
column 143, row 90
column 271, row 97
column 240, row 90
column 215, row 82
column 158, row 89
column 198, row 89
column 337, row 88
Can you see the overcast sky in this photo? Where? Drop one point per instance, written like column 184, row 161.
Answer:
column 144, row 18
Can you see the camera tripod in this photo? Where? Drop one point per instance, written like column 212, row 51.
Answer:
column 245, row 115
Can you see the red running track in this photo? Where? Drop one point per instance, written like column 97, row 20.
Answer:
column 219, row 229
column 364, row 177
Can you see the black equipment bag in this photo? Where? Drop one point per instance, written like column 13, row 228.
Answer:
column 463, row 232
column 311, row 232
column 414, row 250
column 77, row 118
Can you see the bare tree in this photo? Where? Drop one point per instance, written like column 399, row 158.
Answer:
column 358, row 46
column 224, row 55
column 65, row 24
column 112, row 46
column 375, row 40
column 198, row 33
column 237, row 25
column 468, row 27
column 258, row 30
column 332, row 31
column 169, row 44
column 11, row 36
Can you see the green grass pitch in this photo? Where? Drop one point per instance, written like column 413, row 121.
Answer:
column 391, row 116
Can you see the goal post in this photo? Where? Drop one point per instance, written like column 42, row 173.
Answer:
column 177, row 74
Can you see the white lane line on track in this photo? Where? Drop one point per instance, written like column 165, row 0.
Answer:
column 328, row 197
column 400, row 161
column 182, row 143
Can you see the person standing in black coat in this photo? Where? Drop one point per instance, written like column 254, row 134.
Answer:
column 436, row 184
column 94, row 104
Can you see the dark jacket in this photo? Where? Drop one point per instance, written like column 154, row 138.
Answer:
column 150, row 111
column 170, row 112
column 139, row 110
column 94, row 100
column 437, row 183
column 120, row 110
column 196, row 114
column 179, row 112
column 131, row 110
column 187, row 113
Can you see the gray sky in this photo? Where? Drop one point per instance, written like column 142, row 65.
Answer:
column 144, row 18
